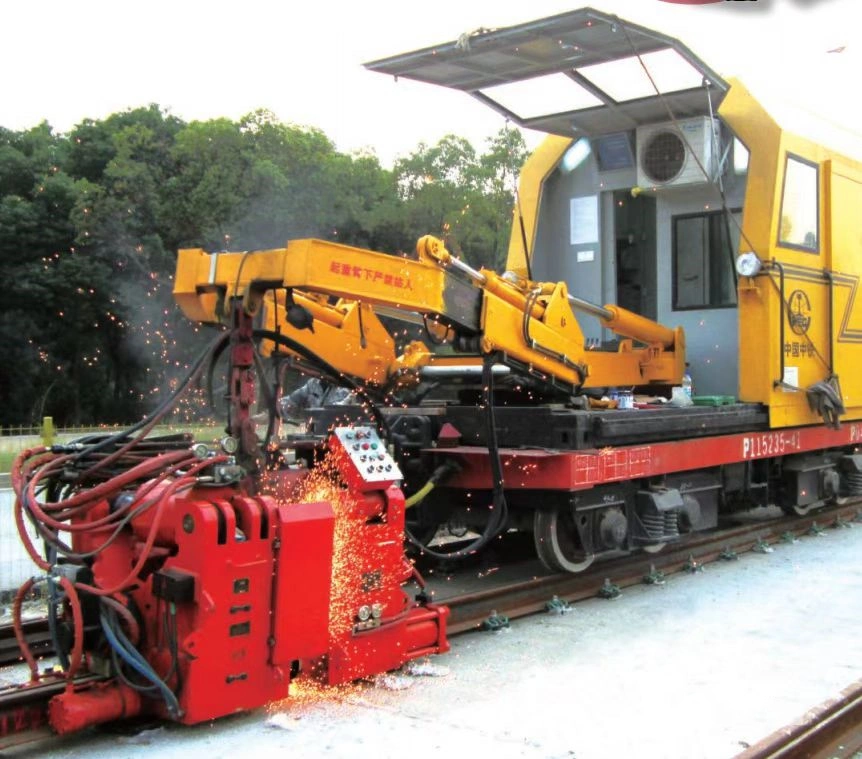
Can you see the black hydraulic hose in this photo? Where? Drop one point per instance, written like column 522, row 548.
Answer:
column 523, row 228
column 531, row 343
column 269, row 395
column 430, row 335
column 214, row 358
column 493, row 447
column 525, row 323
column 53, row 600
column 497, row 520
column 330, row 372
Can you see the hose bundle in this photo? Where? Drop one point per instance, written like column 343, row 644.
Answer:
column 56, row 492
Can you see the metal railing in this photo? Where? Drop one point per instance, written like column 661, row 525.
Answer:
column 18, row 437
column 14, row 430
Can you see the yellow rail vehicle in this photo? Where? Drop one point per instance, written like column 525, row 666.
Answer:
column 198, row 582
column 795, row 240
column 664, row 191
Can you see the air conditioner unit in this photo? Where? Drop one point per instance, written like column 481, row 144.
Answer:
column 666, row 152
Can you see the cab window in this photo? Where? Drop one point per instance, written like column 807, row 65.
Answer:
column 798, row 227
column 703, row 256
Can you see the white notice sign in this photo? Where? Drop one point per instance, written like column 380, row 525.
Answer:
column 584, row 220
column 586, row 255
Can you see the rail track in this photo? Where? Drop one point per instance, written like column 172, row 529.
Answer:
column 519, row 598
column 832, row 729
column 829, row 730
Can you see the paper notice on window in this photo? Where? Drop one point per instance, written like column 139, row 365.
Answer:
column 584, row 220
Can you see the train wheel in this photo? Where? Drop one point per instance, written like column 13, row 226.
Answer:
column 654, row 547
column 795, row 510
column 558, row 542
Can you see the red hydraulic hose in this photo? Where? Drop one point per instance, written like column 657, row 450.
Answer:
column 77, row 620
column 129, row 618
column 19, row 630
column 87, row 497
column 164, row 498
column 38, row 509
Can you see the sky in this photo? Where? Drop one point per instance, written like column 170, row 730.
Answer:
column 66, row 61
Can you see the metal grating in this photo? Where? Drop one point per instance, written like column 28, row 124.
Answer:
column 663, row 156
column 575, row 44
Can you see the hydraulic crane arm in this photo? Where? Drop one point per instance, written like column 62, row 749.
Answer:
column 296, row 284
column 317, row 266
column 532, row 326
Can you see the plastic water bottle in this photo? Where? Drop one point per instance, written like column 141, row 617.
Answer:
column 687, row 384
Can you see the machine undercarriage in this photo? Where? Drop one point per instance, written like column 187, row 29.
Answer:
column 593, row 483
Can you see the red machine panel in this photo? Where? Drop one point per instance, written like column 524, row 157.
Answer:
column 417, row 632
column 362, row 458
column 303, row 577
column 224, row 633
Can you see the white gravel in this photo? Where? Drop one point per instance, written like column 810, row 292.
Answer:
column 696, row 668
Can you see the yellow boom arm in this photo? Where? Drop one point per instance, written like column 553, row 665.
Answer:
column 531, row 325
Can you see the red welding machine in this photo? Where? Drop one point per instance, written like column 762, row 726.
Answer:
column 204, row 600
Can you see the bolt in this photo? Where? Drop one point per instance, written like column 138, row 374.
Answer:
column 654, row 577
column 609, row 591
column 761, row 546
column 557, row 606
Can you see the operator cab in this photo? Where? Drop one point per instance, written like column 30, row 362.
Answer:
column 640, row 183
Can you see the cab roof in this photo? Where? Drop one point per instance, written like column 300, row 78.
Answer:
column 583, row 72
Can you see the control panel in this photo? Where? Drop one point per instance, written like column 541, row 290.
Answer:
column 366, row 455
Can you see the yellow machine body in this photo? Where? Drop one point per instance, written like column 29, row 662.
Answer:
column 774, row 337
column 530, row 325
column 804, row 306
column 800, row 317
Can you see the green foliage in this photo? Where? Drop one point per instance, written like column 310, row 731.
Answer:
column 449, row 190
column 90, row 222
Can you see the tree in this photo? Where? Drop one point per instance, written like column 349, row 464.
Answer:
column 293, row 188
column 466, row 198
column 209, row 186
column 90, row 222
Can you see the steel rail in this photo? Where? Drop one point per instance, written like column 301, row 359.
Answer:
column 24, row 710
column 37, row 634
column 832, row 729
column 468, row 611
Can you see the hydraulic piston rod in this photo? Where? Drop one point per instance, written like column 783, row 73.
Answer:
column 621, row 321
